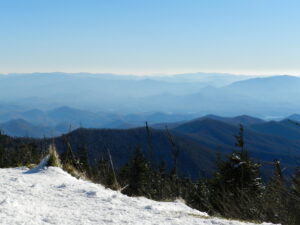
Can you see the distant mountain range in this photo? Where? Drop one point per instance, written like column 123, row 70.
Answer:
column 267, row 97
column 199, row 139
column 22, row 128
column 38, row 123
column 106, row 92
column 200, row 93
column 243, row 119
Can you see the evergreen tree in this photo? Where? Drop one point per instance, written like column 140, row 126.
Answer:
column 104, row 174
column 295, row 197
column 161, row 181
column 199, row 197
column 137, row 175
column 2, row 156
column 67, row 157
column 236, row 186
column 274, row 195
column 36, row 154
column 174, row 152
column 296, row 184
column 82, row 155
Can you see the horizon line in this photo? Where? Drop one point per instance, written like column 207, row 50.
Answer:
column 156, row 73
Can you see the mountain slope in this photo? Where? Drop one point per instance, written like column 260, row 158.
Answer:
column 122, row 144
column 262, row 147
column 51, row 196
column 243, row 119
column 283, row 82
column 284, row 128
column 295, row 117
column 22, row 128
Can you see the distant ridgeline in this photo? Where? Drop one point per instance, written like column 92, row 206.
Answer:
column 224, row 94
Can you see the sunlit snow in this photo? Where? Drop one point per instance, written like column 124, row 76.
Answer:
column 51, row 196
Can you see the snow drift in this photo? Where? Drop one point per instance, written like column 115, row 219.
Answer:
column 52, row 196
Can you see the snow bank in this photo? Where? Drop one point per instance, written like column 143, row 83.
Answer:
column 51, row 196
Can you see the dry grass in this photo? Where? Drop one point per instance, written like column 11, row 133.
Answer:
column 73, row 171
column 53, row 159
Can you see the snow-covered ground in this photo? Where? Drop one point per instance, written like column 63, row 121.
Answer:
column 51, row 196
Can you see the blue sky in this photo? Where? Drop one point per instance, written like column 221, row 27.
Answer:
column 150, row 36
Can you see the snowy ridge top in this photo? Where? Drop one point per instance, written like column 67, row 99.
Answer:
column 52, row 196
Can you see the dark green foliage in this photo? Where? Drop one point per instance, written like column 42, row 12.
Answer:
column 281, row 198
column 236, row 186
column 67, row 157
column 136, row 174
column 82, row 157
column 2, row 156
column 295, row 197
column 102, row 172
column 174, row 152
column 276, row 197
column 19, row 152
column 200, row 197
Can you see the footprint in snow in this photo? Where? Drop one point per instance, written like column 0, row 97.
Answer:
column 62, row 186
column 148, row 207
column 35, row 186
column 91, row 194
column 15, row 179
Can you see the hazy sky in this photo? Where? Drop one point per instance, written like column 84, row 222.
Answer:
column 150, row 36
